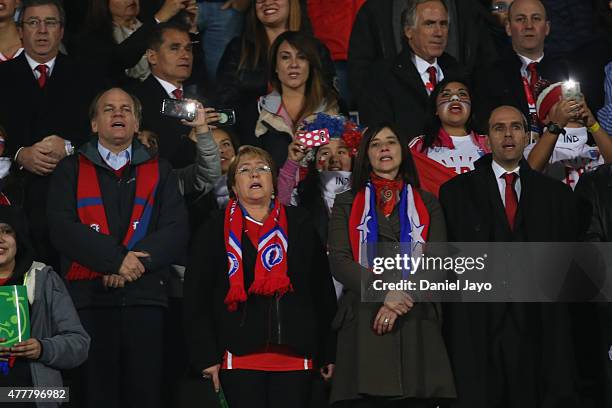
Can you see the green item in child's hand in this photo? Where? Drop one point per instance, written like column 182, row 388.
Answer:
column 222, row 401
column 14, row 315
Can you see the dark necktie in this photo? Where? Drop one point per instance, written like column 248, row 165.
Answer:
column 178, row 93
column 432, row 76
column 532, row 68
column 511, row 198
column 43, row 70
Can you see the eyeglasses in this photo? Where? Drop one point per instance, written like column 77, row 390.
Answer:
column 247, row 171
column 499, row 7
column 50, row 23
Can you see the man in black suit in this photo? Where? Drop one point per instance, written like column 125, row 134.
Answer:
column 512, row 79
column 378, row 35
column 509, row 354
column 43, row 107
column 171, row 57
column 398, row 90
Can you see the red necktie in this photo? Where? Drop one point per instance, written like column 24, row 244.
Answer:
column 511, row 198
column 43, row 70
column 178, row 93
column 533, row 75
column 433, row 79
column 432, row 76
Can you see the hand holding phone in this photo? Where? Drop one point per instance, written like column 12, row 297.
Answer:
column 179, row 108
column 571, row 90
column 313, row 138
column 227, row 117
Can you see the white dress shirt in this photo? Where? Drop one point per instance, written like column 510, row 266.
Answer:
column 526, row 61
column 115, row 161
column 33, row 64
column 168, row 87
column 422, row 66
column 499, row 171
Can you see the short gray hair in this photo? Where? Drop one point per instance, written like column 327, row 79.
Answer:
column 26, row 4
column 409, row 15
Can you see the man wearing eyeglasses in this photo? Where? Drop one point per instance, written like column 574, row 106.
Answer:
column 43, row 106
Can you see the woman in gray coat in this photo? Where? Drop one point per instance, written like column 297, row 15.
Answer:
column 57, row 338
column 390, row 354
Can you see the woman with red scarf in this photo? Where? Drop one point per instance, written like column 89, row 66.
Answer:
column 259, row 298
column 390, row 353
column 449, row 146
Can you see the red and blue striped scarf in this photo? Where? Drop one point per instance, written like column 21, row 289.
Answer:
column 363, row 223
column 271, row 261
column 90, row 207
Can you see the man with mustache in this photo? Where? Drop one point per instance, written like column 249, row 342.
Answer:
column 399, row 92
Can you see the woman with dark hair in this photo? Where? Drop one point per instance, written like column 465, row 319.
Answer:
column 116, row 39
column 258, row 294
column 392, row 352
column 242, row 75
column 299, row 91
column 449, row 138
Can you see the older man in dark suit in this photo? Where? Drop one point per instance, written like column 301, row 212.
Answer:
column 509, row 354
column 43, row 106
column 398, row 90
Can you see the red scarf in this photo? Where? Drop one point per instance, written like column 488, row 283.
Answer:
column 387, row 193
column 90, row 207
column 271, row 262
column 363, row 222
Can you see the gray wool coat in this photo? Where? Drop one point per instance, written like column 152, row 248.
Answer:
column 55, row 323
column 409, row 362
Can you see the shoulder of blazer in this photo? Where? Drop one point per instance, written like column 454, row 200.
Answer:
column 540, row 184
column 149, row 87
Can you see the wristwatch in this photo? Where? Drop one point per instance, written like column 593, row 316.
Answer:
column 69, row 147
column 555, row 129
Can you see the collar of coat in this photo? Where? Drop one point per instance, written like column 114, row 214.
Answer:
column 484, row 163
column 268, row 107
column 90, row 150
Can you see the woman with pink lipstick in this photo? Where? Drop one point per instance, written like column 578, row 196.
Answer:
column 392, row 353
column 449, row 138
column 10, row 42
column 243, row 74
column 299, row 92
column 258, row 295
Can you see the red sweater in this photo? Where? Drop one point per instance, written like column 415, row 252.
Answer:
column 332, row 22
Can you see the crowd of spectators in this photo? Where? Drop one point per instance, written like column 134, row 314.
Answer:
column 189, row 188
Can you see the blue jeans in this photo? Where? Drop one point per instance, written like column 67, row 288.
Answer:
column 217, row 28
